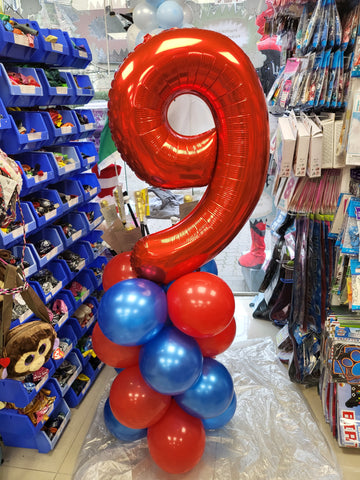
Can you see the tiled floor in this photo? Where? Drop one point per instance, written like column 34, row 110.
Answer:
column 59, row 464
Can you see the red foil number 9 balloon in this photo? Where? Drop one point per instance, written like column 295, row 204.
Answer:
column 231, row 159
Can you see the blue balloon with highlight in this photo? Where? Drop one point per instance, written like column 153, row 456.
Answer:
column 211, row 395
column 120, row 431
column 223, row 419
column 210, row 267
column 132, row 312
column 171, row 362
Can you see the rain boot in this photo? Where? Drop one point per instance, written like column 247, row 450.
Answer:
column 256, row 257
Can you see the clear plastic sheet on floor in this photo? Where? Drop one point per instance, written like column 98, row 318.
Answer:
column 273, row 435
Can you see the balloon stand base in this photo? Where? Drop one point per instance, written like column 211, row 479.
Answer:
column 272, row 426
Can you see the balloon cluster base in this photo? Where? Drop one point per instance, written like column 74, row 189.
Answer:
column 272, row 426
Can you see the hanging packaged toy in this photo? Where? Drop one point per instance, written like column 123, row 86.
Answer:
column 10, row 187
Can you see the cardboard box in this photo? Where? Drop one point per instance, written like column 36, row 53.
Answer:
column 315, row 147
column 302, row 145
column 285, row 147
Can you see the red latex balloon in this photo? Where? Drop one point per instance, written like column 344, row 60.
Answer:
column 231, row 159
column 111, row 353
column 177, row 441
column 212, row 346
column 133, row 402
column 200, row 304
column 119, row 268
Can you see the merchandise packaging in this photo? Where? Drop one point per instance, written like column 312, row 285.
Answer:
column 315, row 148
column 302, row 145
column 285, row 147
column 251, row 446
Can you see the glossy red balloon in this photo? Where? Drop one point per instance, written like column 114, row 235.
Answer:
column 177, row 441
column 133, row 402
column 111, row 353
column 231, row 159
column 212, row 346
column 200, row 304
column 119, row 268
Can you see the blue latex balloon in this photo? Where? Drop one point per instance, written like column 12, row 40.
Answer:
column 171, row 362
column 170, row 14
column 155, row 3
column 221, row 420
column 211, row 395
column 210, row 267
column 120, row 431
column 132, row 312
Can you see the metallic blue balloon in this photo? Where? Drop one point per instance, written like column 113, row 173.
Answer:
column 132, row 312
column 171, row 362
column 120, row 431
column 221, row 420
column 211, row 395
column 210, row 267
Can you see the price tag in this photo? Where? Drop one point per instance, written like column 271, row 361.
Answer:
column 58, row 47
column 85, row 389
column 34, row 136
column 21, row 40
column 63, row 319
column 93, row 191
column 81, row 265
column 28, row 89
column 73, row 202
column 73, row 376
column 62, row 90
column 56, row 289
column 90, row 159
column 61, row 428
column 25, row 315
column 76, row 235
column 83, row 54
column 66, row 130
column 51, row 214
column 90, row 126
column 52, row 254
column 69, row 167
column 16, row 233
column 41, row 383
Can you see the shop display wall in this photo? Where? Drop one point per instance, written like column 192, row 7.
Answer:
column 63, row 251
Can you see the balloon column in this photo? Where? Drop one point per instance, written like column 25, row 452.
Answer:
column 165, row 315
column 154, row 16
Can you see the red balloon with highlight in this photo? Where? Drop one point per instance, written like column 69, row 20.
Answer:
column 119, row 268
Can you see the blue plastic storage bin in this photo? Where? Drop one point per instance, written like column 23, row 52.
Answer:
column 72, row 192
column 85, row 130
column 74, row 360
column 66, row 332
column 54, row 95
column 35, row 182
column 92, row 209
column 25, row 435
column 79, row 330
column 51, row 234
column 78, row 58
column 72, row 157
column 99, row 262
column 19, row 95
column 90, row 184
column 54, row 197
column 15, row 47
column 83, row 90
column 60, row 135
column 50, row 53
column 88, row 152
column 13, row 142
column 67, row 297
column 71, row 397
column 4, row 117
column 15, row 236
column 86, row 281
column 58, row 271
column 97, row 243
column 78, row 221
column 83, row 249
column 14, row 391
column 29, row 257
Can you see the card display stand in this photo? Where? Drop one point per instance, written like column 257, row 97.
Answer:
column 59, row 173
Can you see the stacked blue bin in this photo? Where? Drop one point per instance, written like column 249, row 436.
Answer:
column 59, row 173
